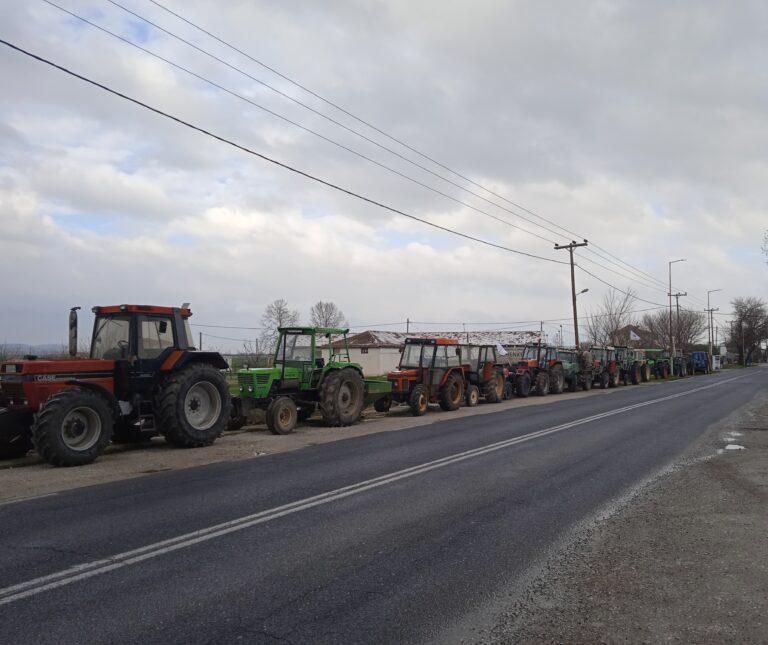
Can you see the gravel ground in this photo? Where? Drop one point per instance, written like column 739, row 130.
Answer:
column 686, row 561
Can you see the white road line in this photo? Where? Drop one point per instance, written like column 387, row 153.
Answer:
column 97, row 567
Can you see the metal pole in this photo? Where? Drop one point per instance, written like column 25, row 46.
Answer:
column 570, row 248
column 671, row 336
column 201, row 341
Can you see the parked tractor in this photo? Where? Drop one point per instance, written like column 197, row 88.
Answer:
column 301, row 380
column 629, row 367
column 607, row 371
column 659, row 363
column 430, row 371
column 143, row 378
column 578, row 369
column 483, row 373
column 539, row 370
column 698, row 362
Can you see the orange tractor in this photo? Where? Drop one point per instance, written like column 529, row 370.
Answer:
column 143, row 377
column 430, row 371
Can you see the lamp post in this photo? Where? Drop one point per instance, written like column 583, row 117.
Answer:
column 709, row 326
column 671, row 335
column 575, row 319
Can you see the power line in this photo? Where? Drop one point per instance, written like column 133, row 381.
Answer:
column 290, row 121
column 626, row 293
column 224, row 326
column 273, row 161
column 405, row 145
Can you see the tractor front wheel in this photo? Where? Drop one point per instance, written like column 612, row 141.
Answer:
column 509, row 390
column 418, row 401
column 493, row 389
column 383, row 404
column 556, row 380
column 341, row 397
column 452, row 393
column 194, row 406
column 523, row 385
column 605, row 380
column 282, row 415
column 472, row 396
column 73, row 427
column 542, row 384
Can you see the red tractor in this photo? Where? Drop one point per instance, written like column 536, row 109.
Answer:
column 430, row 371
column 484, row 374
column 143, row 378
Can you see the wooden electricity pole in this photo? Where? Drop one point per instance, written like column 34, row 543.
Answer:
column 570, row 248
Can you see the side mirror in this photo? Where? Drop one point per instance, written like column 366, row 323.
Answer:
column 163, row 326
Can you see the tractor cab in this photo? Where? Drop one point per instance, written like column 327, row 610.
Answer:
column 430, row 370
column 484, row 375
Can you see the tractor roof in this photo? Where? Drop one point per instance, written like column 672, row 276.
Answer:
column 141, row 309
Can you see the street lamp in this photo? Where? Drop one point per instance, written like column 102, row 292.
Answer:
column 582, row 291
column 671, row 336
column 709, row 327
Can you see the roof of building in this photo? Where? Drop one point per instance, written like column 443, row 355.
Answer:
column 396, row 339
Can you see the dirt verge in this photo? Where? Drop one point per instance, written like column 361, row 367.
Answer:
column 687, row 561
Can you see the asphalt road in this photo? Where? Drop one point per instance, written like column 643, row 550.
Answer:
column 388, row 538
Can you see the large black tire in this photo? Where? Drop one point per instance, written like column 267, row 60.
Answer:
column 282, row 415
column 605, row 380
column 542, row 384
column 556, row 380
column 418, row 401
column 635, row 375
column 523, row 385
column 194, row 406
column 452, row 392
column 573, row 383
column 383, row 404
column 73, row 427
column 493, row 389
column 342, row 394
column 589, row 377
column 509, row 390
column 472, row 396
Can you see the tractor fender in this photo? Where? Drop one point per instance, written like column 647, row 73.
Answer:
column 180, row 358
column 86, row 385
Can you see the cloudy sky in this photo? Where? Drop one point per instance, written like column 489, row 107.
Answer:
column 640, row 126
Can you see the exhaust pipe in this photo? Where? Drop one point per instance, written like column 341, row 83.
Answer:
column 73, row 331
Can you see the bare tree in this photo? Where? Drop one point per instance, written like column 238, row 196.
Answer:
column 277, row 314
column 326, row 314
column 608, row 325
column 688, row 328
column 750, row 326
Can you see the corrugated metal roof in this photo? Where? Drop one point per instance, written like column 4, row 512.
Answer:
column 375, row 338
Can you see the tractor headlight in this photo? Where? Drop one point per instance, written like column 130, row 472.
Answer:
column 250, row 388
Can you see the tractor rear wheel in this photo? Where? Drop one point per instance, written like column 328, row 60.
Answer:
column 418, row 401
column 589, row 377
column 341, row 397
column 194, row 406
column 605, row 379
column 542, row 384
column 472, row 396
column 523, row 385
column 282, row 415
column 493, row 389
column 452, row 393
column 73, row 427
column 556, row 380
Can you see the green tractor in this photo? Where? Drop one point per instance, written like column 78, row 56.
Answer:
column 302, row 380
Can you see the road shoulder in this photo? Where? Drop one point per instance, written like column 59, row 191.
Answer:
column 686, row 561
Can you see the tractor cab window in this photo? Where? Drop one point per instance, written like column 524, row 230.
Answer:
column 470, row 355
column 155, row 335
column 531, row 352
column 412, row 355
column 296, row 348
column 447, row 356
column 110, row 337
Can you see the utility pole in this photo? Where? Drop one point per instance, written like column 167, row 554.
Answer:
column 201, row 342
column 709, row 326
column 407, row 325
column 671, row 336
column 677, row 322
column 570, row 248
